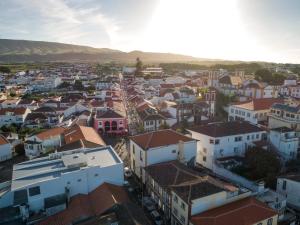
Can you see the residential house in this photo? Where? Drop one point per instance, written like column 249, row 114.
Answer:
column 36, row 120
column 224, row 139
column 76, row 133
column 255, row 111
column 6, row 149
column 163, row 179
column 43, row 142
column 285, row 142
column 9, row 116
column 245, row 211
column 160, row 146
column 288, row 185
column 193, row 197
column 229, row 84
column 9, row 103
column 106, row 197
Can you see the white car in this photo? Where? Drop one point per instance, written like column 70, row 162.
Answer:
column 127, row 172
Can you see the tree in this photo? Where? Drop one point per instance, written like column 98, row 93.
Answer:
column 262, row 164
column 4, row 69
column 222, row 101
column 278, row 79
column 19, row 149
column 63, row 85
column 78, row 85
column 263, row 75
column 138, row 66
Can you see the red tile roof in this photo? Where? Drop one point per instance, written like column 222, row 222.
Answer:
column 3, row 140
column 50, row 133
column 159, row 138
column 77, row 132
column 259, row 104
column 93, row 204
column 247, row 211
column 15, row 111
column 223, row 129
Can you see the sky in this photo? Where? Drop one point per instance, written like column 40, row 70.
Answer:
column 251, row 30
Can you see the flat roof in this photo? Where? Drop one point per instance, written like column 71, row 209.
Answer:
column 56, row 164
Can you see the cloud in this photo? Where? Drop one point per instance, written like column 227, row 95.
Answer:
column 58, row 20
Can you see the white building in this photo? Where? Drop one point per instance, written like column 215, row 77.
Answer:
column 10, row 103
column 284, row 115
column 66, row 174
column 160, row 146
column 285, row 141
column 43, row 142
column 6, row 149
column 289, row 186
column 219, row 140
column 192, row 198
column 253, row 111
column 14, row 115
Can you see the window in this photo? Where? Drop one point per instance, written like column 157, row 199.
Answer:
column 211, row 141
column 182, row 219
column 175, row 199
column 133, row 149
column 182, row 206
column 257, row 136
column 236, row 149
column 204, row 158
column 34, row 191
column 270, row 221
column 248, row 137
column 237, row 139
column 175, row 212
column 217, row 141
column 284, row 185
column 204, row 150
column 141, row 155
column 96, row 174
column 79, row 180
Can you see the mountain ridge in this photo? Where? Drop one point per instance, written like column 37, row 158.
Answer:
column 42, row 51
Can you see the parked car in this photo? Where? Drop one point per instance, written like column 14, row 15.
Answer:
column 127, row 172
column 156, row 217
column 148, row 204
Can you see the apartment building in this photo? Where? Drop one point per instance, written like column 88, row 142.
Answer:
column 285, row 141
column 224, row 139
column 160, row 146
column 289, row 186
column 284, row 115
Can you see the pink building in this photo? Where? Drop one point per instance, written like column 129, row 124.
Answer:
column 110, row 122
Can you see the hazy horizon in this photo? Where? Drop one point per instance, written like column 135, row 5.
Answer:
column 246, row 30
